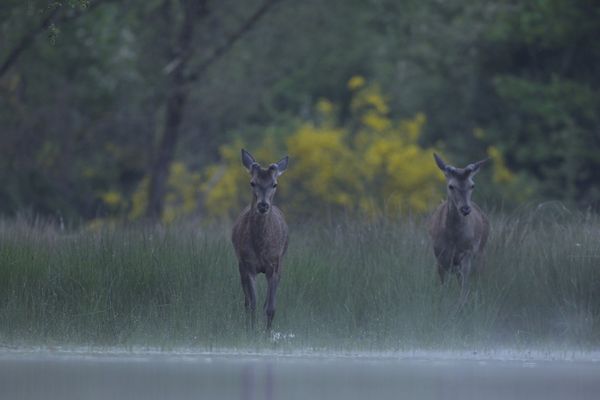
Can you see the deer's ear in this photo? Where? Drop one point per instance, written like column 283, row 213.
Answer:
column 248, row 161
column 440, row 163
column 474, row 168
column 446, row 169
column 281, row 165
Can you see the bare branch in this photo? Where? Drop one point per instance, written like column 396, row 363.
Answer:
column 56, row 15
column 231, row 40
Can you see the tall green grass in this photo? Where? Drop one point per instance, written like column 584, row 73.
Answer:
column 347, row 285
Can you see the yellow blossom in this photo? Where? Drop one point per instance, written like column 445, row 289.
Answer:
column 356, row 82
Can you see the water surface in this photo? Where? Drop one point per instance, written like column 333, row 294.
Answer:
column 111, row 375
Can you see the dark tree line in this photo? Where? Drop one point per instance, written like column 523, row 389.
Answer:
column 102, row 95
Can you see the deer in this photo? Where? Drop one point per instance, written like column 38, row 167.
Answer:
column 458, row 228
column 260, row 236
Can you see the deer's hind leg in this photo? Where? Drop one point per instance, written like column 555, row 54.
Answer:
column 464, row 273
column 442, row 273
column 444, row 267
column 443, row 258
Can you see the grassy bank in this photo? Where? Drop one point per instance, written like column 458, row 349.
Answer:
column 348, row 285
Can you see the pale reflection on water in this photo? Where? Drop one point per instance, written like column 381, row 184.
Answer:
column 257, row 381
column 163, row 376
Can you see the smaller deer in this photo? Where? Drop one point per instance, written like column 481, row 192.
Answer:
column 260, row 236
column 458, row 227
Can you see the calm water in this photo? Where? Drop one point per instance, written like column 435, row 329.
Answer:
column 69, row 375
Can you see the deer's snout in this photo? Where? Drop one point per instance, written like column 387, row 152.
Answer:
column 465, row 210
column 262, row 207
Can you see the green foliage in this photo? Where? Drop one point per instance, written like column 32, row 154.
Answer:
column 82, row 105
column 541, row 53
column 181, row 199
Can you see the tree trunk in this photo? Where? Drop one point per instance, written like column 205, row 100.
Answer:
column 178, row 94
column 166, row 150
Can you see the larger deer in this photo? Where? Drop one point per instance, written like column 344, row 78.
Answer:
column 458, row 227
column 260, row 235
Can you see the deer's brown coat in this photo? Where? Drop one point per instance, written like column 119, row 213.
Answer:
column 259, row 237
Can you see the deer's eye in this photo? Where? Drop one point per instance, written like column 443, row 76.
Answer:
column 274, row 185
column 252, row 184
column 473, row 186
column 451, row 187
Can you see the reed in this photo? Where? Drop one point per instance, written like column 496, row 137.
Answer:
column 352, row 285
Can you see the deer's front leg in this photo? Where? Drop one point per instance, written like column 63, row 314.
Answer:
column 249, row 287
column 272, row 283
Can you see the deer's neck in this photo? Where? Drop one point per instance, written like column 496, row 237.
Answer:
column 454, row 220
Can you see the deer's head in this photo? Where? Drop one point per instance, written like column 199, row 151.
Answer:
column 459, row 183
column 263, row 181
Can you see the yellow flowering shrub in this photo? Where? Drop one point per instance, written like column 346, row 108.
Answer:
column 501, row 174
column 356, row 82
column 508, row 185
column 182, row 196
column 370, row 164
column 112, row 198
